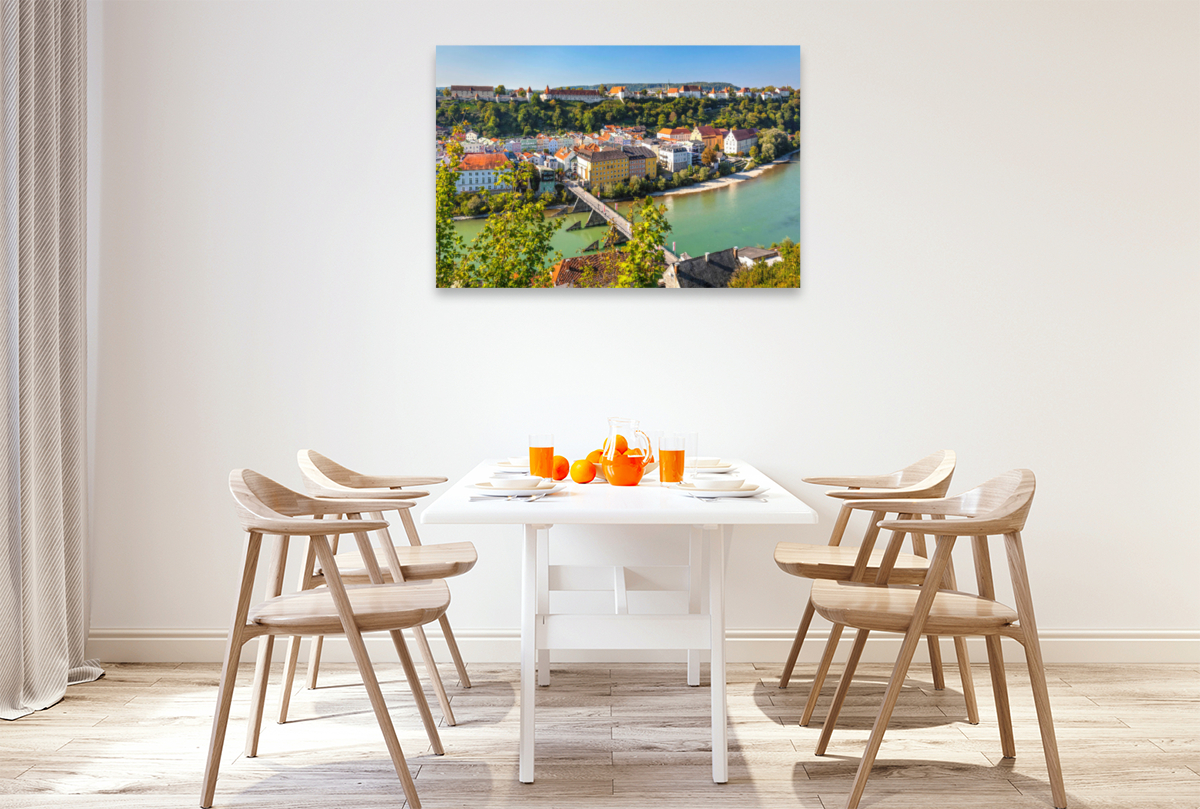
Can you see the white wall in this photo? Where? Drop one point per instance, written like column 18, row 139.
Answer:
column 1001, row 257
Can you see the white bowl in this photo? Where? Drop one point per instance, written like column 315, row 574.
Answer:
column 722, row 483
column 700, row 463
column 519, row 461
column 518, row 482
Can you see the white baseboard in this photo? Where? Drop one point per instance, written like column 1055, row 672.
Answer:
column 742, row 646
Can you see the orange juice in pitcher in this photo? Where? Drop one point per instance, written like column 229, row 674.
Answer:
column 628, row 453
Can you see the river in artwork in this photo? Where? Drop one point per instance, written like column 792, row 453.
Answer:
column 756, row 212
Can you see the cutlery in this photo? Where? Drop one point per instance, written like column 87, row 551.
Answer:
column 715, row 499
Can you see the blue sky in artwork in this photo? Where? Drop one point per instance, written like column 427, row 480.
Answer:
column 558, row 66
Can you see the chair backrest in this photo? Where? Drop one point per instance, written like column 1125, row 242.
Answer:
column 999, row 506
column 266, row 507
column 932, row 470
column 260, row 500
column 321, row 472
column 324, row 477
column 928, row 477
column 1003, row 501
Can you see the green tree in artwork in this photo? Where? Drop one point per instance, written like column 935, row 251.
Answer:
column 513, row 249
column 499, row 90
column 644, row 263
column 781, row 274
column 448, row 244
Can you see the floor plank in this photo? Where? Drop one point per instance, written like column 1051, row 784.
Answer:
column 610, row 736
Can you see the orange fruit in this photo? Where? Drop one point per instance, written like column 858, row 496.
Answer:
column 595, row 455
column 634, row 451
column 560, row 467
column 622, row 445
column 583, row 471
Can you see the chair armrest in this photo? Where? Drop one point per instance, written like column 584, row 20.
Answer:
column 855, row 481
column 398, row 481
column 949, row 528
column 309, row 528
column 878, row 494
column 348, row 505
column 369, row 494
column 915, row 505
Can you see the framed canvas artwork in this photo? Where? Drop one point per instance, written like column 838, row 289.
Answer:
column 574, row 167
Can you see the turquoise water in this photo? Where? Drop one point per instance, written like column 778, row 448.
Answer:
column 752, row 213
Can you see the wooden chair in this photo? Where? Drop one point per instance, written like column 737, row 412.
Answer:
column 928, row 477
column 264, row 507
column 406, row 563
column 998, row 507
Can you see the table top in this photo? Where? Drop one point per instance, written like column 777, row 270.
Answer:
column 649, row 503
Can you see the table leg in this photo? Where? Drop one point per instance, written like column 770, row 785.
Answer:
column 716, row 608
column 528, row 650
column 543, row 600
column 695, row 567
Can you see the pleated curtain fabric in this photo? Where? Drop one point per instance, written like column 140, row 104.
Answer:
column 43, row 494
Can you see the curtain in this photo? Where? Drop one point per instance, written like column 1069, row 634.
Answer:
column 43, row 495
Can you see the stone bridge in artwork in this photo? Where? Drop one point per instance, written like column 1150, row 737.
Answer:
column 623, row 226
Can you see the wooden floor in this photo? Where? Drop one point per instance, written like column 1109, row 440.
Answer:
column 610, row 736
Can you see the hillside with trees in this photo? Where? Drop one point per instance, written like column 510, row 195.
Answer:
column 494, row 119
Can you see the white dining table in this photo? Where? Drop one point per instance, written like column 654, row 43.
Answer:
column 597, row 503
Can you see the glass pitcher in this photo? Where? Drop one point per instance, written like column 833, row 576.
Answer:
column 628, row 453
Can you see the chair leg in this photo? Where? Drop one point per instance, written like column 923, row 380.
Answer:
column 835, row 634
column 233, row 651
column 839, row 697
column 935, row 662
column 895, row 685
column 464, row 679
column 968, row 682
column 1037, row 669
column 434, row 676
column 220, row 721
column 414, row 684
column 964, row 659
column 367, row 671
column 262, row 666
column 1008, row 742
column 258, row 693
column 790, row 663
column 314, row 661
column 289, row 676
column 912, row 638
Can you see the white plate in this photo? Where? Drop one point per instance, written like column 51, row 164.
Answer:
column 498, row 489
column 715, row 465
column 709, row 470
column 747, row 490
column 509, row 466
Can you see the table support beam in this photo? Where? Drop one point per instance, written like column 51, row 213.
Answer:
column 720, row 541
column 529, row 603
column 695, row 594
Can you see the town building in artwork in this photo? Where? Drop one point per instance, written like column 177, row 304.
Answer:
column 472, row 91
column 480, row 172
column 602, row 166
column 740, row 141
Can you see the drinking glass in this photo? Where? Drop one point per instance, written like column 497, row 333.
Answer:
column 541, row 455
column 671, row 456
column 691, row 453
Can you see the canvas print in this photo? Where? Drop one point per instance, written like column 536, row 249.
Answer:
column 610, row 166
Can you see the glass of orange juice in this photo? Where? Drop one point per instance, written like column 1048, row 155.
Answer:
column 541, row 455
column 671, row 448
